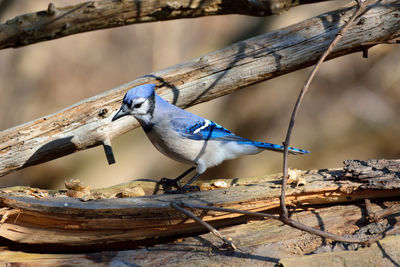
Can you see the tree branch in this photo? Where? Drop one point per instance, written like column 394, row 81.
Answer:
column 94, row 15
column 214, row 231
column 285, row 215
column 88, row 123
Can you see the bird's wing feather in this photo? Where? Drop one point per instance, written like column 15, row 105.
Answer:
column 203, row 129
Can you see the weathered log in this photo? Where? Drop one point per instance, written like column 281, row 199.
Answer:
column 88, row 123
column 261, row 243
column 374, row 173
column 58, row 22
column 37, row 217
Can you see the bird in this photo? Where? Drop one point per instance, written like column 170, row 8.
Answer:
column 186, row 137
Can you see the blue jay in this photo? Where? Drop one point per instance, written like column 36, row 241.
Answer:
column 186, row 137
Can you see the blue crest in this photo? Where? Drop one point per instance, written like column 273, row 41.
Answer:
column 141, row 91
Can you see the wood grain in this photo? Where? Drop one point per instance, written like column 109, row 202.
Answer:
column 261, row 243
column 29, row 218
column 56, row 22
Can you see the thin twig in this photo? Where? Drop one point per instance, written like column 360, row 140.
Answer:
column 386, row 212
column 208, row 226
column 389, row 232
column 292, row 223
column 376, row 216
column 295, row 224
column 285, row 216
column 370, row 213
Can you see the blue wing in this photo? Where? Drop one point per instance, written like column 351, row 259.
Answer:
column 203, row 129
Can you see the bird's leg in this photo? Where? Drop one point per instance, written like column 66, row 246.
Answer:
column 168, row 184
column 187, row 185
column 177, row 179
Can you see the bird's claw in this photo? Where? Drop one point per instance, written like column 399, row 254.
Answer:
column 193, row 188
column 168, row 186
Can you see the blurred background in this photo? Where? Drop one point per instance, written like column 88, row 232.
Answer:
column 352, row 110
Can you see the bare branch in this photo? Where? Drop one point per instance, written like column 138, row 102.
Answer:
column 285, row 215
column 94, row 15
column 88, row 123
column 284, row 220
column 206, row 225
column 379, row 215
column 303, row 91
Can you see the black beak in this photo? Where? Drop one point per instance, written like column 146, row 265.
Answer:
column 123, row 111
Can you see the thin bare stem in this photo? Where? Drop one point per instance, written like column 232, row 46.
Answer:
column 290, row 222
column 294, row 224
column 381, row 236
column 376, row 216
column 303, row 91
column 368, row 207
column 208, row 226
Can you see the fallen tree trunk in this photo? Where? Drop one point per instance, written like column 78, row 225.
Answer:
column 88, row 123
column 37, row 216
column 261, row 243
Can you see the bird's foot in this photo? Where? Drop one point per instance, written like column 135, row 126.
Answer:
column 193, row 188
column 172, row 186
column 169, row 184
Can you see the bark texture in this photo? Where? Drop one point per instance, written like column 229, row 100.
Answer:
column 37, row 216
column 31, row 219
column 56, row 22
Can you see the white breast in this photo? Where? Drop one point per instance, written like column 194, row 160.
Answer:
column 200, row 153
column 216, row 152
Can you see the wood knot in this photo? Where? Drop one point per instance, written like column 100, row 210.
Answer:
column 361, row 21
column 103, row 112
column 51, row 9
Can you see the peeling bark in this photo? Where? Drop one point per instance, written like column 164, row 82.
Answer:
column 57, row 22
column 35, row 216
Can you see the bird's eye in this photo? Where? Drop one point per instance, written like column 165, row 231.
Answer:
column 137, row 105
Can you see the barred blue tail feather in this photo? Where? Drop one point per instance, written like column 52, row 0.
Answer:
column 279, row 148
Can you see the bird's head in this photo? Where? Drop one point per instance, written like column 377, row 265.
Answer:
column 138, row 102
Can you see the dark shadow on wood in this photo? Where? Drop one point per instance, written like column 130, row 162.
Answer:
column 320, row 224
column 93, row 248
column 52, row 150
column 386, row 255
column 236, row 254
column 163, row 82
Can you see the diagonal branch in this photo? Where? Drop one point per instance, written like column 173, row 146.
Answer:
column 88, row 123
column 288, row 222
column 205, row 224
column 94, row 15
